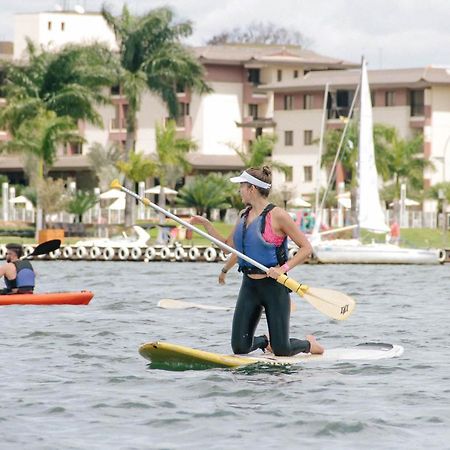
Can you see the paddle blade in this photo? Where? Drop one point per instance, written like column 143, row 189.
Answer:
column 115, row 184
column 169, row 303
column 334, row 304
column 46, row 247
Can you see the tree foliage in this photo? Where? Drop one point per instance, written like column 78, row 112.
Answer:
column 103, row 161
column 259, row 33
column 138, row 167
column 80, row 203
column 260, row 154
column 206, row 192
column 68, row 83
column 52, row 195
column 151, row 57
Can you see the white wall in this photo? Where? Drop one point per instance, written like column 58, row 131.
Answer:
column 35, row 26
column 440, row 133
column 214, row 116
column 298, row 155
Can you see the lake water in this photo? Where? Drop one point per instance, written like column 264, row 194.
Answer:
column 72, row 378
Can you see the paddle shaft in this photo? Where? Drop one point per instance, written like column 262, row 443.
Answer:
column 219, row 243
column 338, row 309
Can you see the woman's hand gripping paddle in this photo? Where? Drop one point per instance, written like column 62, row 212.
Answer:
column 332, row 303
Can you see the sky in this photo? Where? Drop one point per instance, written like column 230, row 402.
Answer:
column 389, row 33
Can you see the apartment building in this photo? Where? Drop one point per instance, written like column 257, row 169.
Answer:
column 233, row 114
column 255, row 89
column 411, row 100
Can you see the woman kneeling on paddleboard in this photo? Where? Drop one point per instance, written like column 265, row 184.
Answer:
column 261, row 233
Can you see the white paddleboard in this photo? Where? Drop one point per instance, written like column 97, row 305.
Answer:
column 178, row 357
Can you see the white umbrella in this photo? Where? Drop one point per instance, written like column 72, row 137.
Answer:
column 408, row 202
column 298, row 202
column 112, row 194
column 22, row 199
column 157, row 190
column 118, row 204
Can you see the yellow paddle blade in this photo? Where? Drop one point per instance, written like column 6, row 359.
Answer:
column 115, row 184
column 332, row 303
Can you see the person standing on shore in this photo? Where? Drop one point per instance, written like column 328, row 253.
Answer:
column 261, row 233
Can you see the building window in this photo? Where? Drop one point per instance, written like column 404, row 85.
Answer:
column 253, row 76
column 307, row 173
column 74, row 148
column 279, row 75
column 289, row 138
column 288, row 102
column 289, row 174
column 253, row 111
column 389, row 98
column 49, row 26
column 308, row 101
column 63, row 26
column 295, row 73
column 115, row 90
column 417, row 100
column 308, row 137
column 184, row 109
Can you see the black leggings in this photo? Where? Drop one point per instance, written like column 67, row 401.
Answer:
column 255, row 295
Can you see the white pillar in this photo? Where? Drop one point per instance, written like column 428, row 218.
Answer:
column 141, row 206
column 5, row 201
column 403, row 217
column 341, row 190
column 12, row 206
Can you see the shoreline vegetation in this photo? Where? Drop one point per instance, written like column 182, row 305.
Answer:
column 409, row 237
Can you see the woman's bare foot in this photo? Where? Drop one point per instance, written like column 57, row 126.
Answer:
column 316, row 348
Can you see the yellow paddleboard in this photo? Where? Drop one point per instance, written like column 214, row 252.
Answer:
column 179, row 357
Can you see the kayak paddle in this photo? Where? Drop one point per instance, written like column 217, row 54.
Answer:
column 45, row 247
column 334, row 304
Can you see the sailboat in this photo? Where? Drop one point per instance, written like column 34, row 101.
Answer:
column 370, row 214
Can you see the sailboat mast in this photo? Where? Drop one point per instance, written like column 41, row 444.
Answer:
column 319, row 157
column 357, row 231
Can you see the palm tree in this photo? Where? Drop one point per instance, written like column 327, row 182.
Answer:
column 47, row 96
column 151, row 57
column 170, row 157
column 406, row 162
column 103, row 160
column 205, row 193
column 39, row 137
column 80, row 203
column 68, row 83
column 260, row 154
column 349, row 153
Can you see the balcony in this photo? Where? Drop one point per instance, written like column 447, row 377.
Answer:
column 118, row 124
column 338, row 113
column 417, row 110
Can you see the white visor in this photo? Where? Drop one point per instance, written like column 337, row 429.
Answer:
column 245, row 177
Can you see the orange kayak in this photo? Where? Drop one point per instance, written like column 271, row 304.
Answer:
column 52, row 298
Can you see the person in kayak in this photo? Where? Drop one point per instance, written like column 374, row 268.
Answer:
column 261, row 233
column 18, row 274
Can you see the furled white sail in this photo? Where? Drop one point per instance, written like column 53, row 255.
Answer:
column 370, row 214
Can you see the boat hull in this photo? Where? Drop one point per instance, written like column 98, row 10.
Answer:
column 339, row 252
column 53, row 298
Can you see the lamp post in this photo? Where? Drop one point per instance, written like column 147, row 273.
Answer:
column 442, row 196
column 286, row 195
